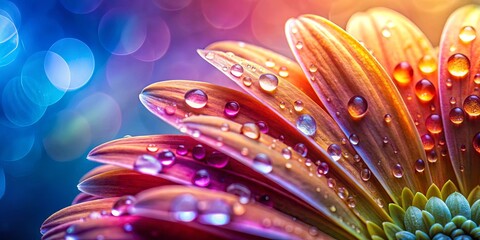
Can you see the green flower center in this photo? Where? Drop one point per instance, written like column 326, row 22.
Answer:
column 441, row 214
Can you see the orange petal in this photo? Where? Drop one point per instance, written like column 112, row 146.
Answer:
column 457, row 86
column 399, row 46
column 358, row 94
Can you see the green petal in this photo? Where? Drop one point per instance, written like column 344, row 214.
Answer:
column 390, row 230
column 458, row 205
column 433, row 191
column 414, row 220
column 407, row 198
column 421, row 235
column 419, row 200
column 447, row 189
column 397, row 214
column 468, row 226
column 374, row 229
column 439, row 210
column 476, row 212
column 435, row 229
column 474, row 195
column 404, row 235
column 428, row 219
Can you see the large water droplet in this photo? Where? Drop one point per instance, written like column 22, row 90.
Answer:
column 323, row 168
column 250, row 130
column 199, row 152
column 354, row 140
column 184, row 207
column 458, row 65
column 425, row 90
column 434, row 123
column 241, row 191
column 476, row 142
column 182, row 150
column 147, row 164
column 262, row 163
column 428, row 142
column 236, row 70
column 456, row 116
column 397, row 171
column 231, row 108
column 268, row 82
column 306, row 124
column 215, row 212
column 201, row 178
column 334, row 151
column 357, row 107
column 263, row 126
column 196, row 98
column 403, row 73
column 427, row 64
column 166, row 157
column 467, row 34
column 471, row 105
column 121, row 206
column 419, row 165
column 217, row 159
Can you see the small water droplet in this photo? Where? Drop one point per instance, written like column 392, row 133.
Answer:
column 387, row 118
column 334, row 151
column 331, row 183
column 299, row 45
column 312, row 68
column 231, row 108
column 182, row 150
column 217, row 160
column 127, row 227
column 354, row 140
column 225, row 127
column 342, row 193
column 419, row 165
column 476, row 142
column 351, row 202
column 166, row 157
column 467, row 34
column 262, row 163
column 365, row 174
column 432, row 156
column 456, row 116
column 196, row 133
column 250, row 130
column 403, row 73
column 476, row 79
column 298, row 105
column 458, row 65
column 262, row 126
column 357, row 107
column 283, row 72
column 323, row 168
column 425, row 90
column 199, row 152
column 209, row 55
column 121, row 206
column 434, row 123
column 247, row 81
column 471, row 105
column 287, row 153
column 170, row 109
column 147, row 164
column 453, row 100
column 386, row 33
column 428, row 142
column 152, row 148
column 306, row 124
column 449, row 83
column 236, row 70
column 270, row 63
column 301, row 149
column 427, row 64
column 463, row 148
column 268, row 82
column 201, row 178
column 196, row 98
column 397, row 171
column 333, row 208
column 184, row 207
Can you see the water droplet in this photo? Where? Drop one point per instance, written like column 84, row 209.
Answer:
column 301, row 149
column 262, row 163
column 241, row 191
column 209, row 55
column 270, row 63
column 299, row 45
column 250, row 130
column 476, row 79
column 121, row 206
column 428, row 142
column 323, row 168
column 467, row 34
column 170, row 109
column 312, row 68
column 262, row 126
column 236, row 70
column 387, row 118
column 152, row 148
column 127, row 227
column 147, row 164
column 287, row 153
column 196, row 133
column 331, row 183
column 199, row 152
column 351, row 202
column 432, row 156
column 357, row 107
column 385, row 140
column 283, row 72
column 334, row 151
column 184, row 207
column 463, row 148
column 201, row 178
column 225, row 127
column 434, row 123
column 247, row 81
column 403, row 73
column 453, row 100
column 456, row 116
column 419, row 165
column 298, row 105
column 458, row 65
column 231, row 108
column 342, row 193
column 365, row 174
column 476, row 142
column 306, row 124
column 354, row 140
column 471, row 105
column 386, row 33
column 425, row 90
column 397, row 171
column 217, row 159
column 166, row 157
column 268, row 82
column 182, row 150
column 449, row 83
column 196, row 98
column 427, row 64
column 333, row 208
column 215, row 212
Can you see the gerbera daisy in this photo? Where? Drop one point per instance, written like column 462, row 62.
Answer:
column 372, row 134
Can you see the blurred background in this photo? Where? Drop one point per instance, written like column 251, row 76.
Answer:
column 71, row 72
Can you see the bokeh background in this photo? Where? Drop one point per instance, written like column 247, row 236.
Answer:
column 71, row 72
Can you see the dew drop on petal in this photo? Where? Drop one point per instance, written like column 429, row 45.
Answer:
column 199, row 152
column 298, row 105
column 434, row 123
column 331, row 183
column 312, row 68
column 306, row 124
column 427, row 64
column 471, row 105
column 166, row 157
column 217, row 159
column 283, row 72
column 152, row 148
column 476, row 79
column 476, row 142
column 250, row 130
column 215, row 212
column 428, row 142
column 425, row 90
column 456, row 116
column 170, row 109
column 182, row 150
column 397, row 171
column 236, row 70
column 365, row 174
column 419, row 165
column 386, row 33
column 323, row 168
column 301, row 149
column 287, row 153
column 201, row 178
column 403, row 73
column 458, row 65
column 334, row 151
column 231, row 108
column 196, row 98
column 268, row 82
column 357, row 107
column 299, row 45
column 354, row 140
column 121, row 206
column 467, row 34
column 247, row 81
column 209, row 55
column 432, row 156
column 147, row 164
column 184, row 208
column 262, row 126
column 225, row 127
column 342, row 193
column 262, row 163
column 244, row 194
column 387, row 118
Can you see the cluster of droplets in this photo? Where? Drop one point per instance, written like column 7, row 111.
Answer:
column 152, row 165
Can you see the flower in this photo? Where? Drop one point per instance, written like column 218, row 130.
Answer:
column 360, row 139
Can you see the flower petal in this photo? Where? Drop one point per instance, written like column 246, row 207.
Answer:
column 83, row 197
column 358, row 94
column 280, row 65
column 98, row 170
column 459, row 62
column 400, row 47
